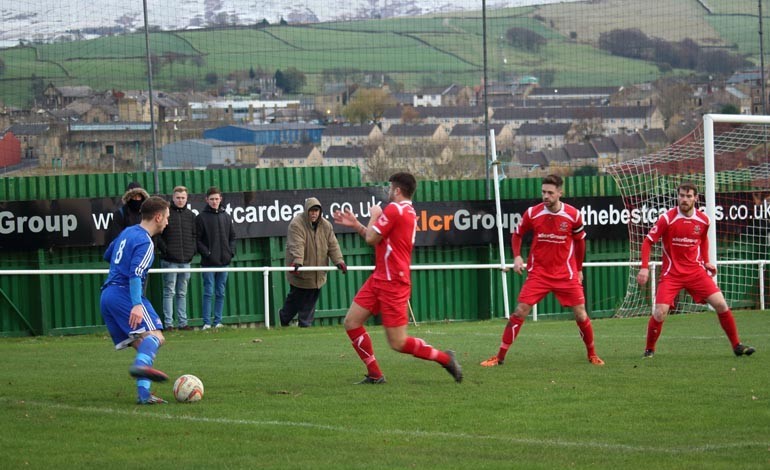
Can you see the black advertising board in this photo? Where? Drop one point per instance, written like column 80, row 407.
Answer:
column 29, row 225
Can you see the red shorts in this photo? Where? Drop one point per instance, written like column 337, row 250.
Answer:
column 569, row 292
column 699, row 285
column 386, row 298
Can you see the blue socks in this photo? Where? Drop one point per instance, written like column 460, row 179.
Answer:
column 145, row 356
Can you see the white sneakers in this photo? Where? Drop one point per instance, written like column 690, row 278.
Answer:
column 206, row 327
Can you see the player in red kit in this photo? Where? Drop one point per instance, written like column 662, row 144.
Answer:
column 555, row 264
column 684, row 231
column 391, row 231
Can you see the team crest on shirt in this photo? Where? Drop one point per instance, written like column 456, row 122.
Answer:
column 696, row 230
column 563, row 227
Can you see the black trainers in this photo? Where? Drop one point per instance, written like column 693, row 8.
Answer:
column 648, row 353
column 453, row 367
column 368, row 380
column 147, row 372
column 743, row 350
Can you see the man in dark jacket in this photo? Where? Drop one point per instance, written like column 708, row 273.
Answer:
column 127, row 214
column 310, row 242
column 177, row 246
column 216, row 244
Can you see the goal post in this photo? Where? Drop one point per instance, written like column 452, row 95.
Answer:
column 727, row 158
column 709, row 158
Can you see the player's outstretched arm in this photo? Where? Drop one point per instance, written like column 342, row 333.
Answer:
column 346, row 218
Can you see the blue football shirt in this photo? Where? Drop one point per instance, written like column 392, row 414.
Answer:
column 130, row 255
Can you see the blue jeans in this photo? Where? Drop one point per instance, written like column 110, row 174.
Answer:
column 175, row 289
column 214, row 286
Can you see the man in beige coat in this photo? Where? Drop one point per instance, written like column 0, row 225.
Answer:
column 310, row 242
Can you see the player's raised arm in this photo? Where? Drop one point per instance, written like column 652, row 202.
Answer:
column 346, row 218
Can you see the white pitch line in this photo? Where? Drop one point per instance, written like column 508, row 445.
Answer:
column 682, row 450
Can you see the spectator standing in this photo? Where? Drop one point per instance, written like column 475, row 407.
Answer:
column 686, row 265
column 177, row 246
column 127, row 214
column 310, row 242
column 129, row 316
column 391, row 231
column 216, row 245
column 555, row 265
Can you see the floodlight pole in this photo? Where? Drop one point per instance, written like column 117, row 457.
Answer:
column 487, row 153
column 762, row 61
column 152, row 106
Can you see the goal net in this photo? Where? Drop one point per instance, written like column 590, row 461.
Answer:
column 737, row 199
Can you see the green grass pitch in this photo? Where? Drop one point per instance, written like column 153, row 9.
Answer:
column 284, row 399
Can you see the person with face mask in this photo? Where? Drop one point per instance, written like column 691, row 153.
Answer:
column 128, row 214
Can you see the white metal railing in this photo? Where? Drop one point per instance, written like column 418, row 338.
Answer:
column 266, row 270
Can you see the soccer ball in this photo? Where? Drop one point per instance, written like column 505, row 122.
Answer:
column 188, row 388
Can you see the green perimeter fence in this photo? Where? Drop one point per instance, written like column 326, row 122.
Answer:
column 69, row 304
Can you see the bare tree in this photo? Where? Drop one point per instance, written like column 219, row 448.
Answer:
column 672, row 98
column 588, row 125
column 409, row 115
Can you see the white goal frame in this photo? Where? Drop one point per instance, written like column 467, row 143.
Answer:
column 709, row 192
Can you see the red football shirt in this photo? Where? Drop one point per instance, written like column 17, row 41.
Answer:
column 552, row 254
column 682, row 238
column 393, row 255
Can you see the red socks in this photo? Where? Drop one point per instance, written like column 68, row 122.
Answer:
column 419, row 348
column 362, row 343
column 728, row 324
column 587, row 333
column 654, row 328
column 510, row 333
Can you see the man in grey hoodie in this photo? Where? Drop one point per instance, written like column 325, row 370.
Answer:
column 310, row 242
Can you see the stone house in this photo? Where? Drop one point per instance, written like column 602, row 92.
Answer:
column 290, row 156
column 338, row 135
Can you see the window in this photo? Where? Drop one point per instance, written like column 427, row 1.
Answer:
column 109, row 149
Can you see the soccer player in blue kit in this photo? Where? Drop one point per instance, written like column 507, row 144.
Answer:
column 130, row 318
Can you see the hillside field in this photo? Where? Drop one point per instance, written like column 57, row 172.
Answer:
column 415, row 52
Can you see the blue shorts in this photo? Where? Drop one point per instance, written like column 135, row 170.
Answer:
column 116, row 308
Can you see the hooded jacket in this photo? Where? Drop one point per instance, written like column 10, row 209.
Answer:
column 216, row 237
column 126, row 215
column 178, row 242
column 311, row 245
